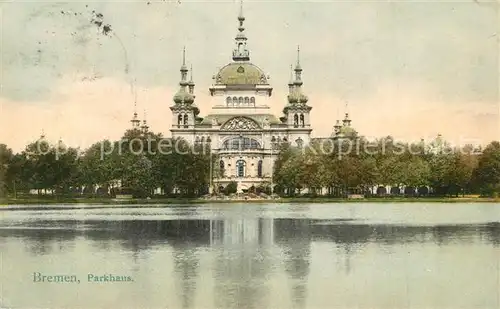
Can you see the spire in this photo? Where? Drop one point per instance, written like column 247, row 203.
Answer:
column 184, row 68
column 144, row 126
column 298, row 69
column 346, row 121
column 241, row 53
column 337, row 127
column 290, row 83
column 184, row 95
column 135, row 120
column 191, row 82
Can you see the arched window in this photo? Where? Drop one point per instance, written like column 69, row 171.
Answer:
column 273, row 139
column 222, row 168
column 252, row 100
column 235, row 101
column 179, row 121
column 259, row 169
column 302, row 120
column 197, row 140
column 295, row 120
column 202, row 139
column 247, row 101
column 244, row 143
column 229, row 101
column 209, row 140
column 185, row 121
column 240, row 101
column 240, row 168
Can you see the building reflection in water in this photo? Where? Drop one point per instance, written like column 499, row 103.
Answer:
column 244, row 253
column 295, row 237
column 242, row 261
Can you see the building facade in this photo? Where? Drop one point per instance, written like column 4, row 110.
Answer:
column 239, row 128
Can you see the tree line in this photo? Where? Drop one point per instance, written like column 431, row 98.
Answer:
column 337, row 168
column 346, row 166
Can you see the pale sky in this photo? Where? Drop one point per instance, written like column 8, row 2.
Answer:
column 411, row 69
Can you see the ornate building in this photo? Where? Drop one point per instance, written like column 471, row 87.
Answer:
column 240, row 128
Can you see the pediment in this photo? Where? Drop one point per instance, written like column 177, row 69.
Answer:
column 240, row 123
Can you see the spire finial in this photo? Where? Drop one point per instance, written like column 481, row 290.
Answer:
column 241, row 11
column 191, row 73
column 184, row 55
column 241, row 53
column 298, row 55
column 184, row 68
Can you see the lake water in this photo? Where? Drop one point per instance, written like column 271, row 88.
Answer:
column 252, row 256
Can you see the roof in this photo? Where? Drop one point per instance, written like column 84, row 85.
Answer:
column 241, row 73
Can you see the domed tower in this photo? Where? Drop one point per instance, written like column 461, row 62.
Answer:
column 184, row 111
column 297, row 110
column 240, row 85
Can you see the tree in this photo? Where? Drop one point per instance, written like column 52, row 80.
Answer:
column 6, row 157
column 231, row 188
column 487, row 173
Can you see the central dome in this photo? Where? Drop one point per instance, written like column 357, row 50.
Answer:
column 241, row 74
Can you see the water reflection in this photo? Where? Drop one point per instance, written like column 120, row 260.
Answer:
column 237, row 234
column 240, row 258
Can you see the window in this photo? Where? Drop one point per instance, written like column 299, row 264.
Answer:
column 179, row 121
column 295, row 120
column 259, row 169
column 240, row 101
column 240, row 168
column 252, row 100
column 247, row 101
column 222, row 168
column 244, row 143
column 302, row 120
column 185, row 121
column 229, row 101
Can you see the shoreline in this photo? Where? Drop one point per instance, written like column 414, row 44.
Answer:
column 187, row 201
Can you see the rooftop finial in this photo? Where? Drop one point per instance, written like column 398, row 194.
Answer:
column 241, row 17
column 241, row 53
column 191, row 82
column 184, row 68
column 144, row 126
column 184, row 55
column 298, row 54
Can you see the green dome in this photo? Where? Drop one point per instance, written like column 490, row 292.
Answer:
column 347, row 131
column 297, row 97
column 238, row 73
column 182, row 96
